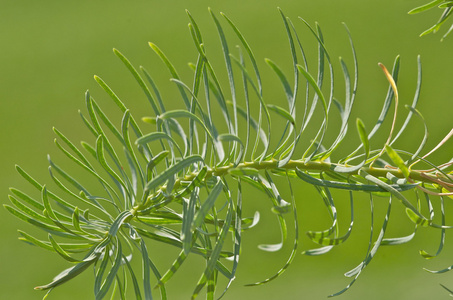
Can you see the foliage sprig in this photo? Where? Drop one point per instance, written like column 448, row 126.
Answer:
column 446, row 6
column 181, row 184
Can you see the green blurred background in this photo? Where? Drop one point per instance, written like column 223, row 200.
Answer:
column 50, row 51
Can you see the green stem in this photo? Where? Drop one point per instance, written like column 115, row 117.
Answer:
column 314, row 166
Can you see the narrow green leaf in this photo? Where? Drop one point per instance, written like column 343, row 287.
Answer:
column 446, row 4
column 425, row 7
column 90, row 149
column 414, row 102
column 105, row 120
column 350, row 96
column 48, row 208
column 397, row 160
column 187, row 232
column 447, row 33
column 226, row 56
column 263, row 106
column 284, row 208
column 296, row 242
column 153, row 136
column 82, row 196
column 196, row 182
column 46, row 227
column 38, row 186
column 411, row 211
column 286, row 152
column 112, row 274
column 447, row 289
column 371, row 251
column 146, row 273
column 248, row 49
column 282, row 77
column 155, row 89
column 216, row 252
column 425, row 254
column 172, row 70
column 416, row 218
column 25, row 209
column 398, row 241
column 94, row 110
column 150, row 120
column 433, row 28
column 134, row 165
column 277, row 201
column 60, row 251
column 193, row 117
column 197, row 32
column 350, row 186
column 322, row 238
column 440, row 271
column 385, row 107
column 237, row 237
column 322, row 56
column 213, row 85
column 425, row 136
column 132, row 181
column 72, row 146
column 243, row 171
column 173, row 269
column 207, row 205
column 282, row 112
column 101, row 143
column 363, row 137
column 179, row 166
column 233, row 138
column 139, row 80
column 34, row 241
column 70, row 273
column 317, row 251
column 176, row 241
column 254, row 124
column 150, row 167
column 159, row 221
column 317, row 89
column 27, row 199
column 66, row 176
column 247, row 104
column 120, row 220
column 138, row 295
column 206, row 120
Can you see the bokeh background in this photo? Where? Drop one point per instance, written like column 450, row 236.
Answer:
column 50, row 51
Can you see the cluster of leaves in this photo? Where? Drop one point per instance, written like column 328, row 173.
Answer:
column 181, row 184
column 446, row 6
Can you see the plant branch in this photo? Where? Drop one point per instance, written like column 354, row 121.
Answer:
column 272, row 165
